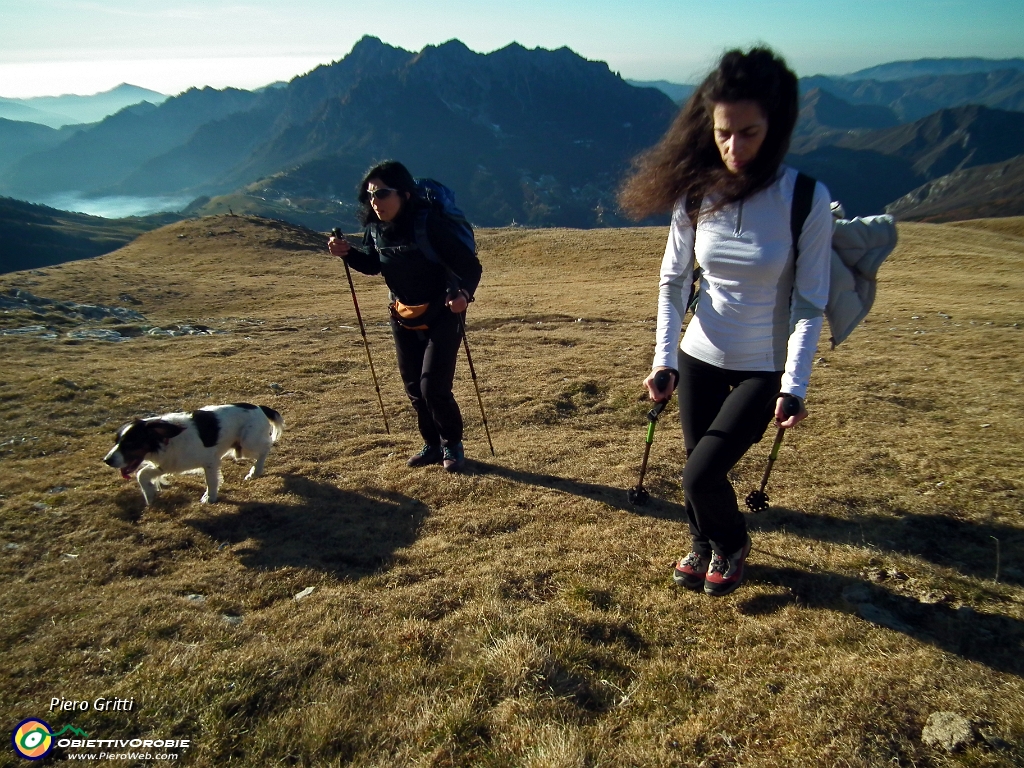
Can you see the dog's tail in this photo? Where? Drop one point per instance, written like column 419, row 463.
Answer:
column 276, row 422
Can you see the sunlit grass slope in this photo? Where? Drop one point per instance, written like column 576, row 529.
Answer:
column 521, row 614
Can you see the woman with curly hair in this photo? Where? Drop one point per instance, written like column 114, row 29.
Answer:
column 746, row 354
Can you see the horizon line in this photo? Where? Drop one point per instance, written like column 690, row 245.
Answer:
column 288, row 68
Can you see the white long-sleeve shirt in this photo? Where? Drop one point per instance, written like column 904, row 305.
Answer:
column 756, row 313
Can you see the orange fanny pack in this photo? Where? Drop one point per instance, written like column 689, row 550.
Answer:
column 408, row 315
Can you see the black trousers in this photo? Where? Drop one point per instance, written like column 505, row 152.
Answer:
column 723, row 413
column 426, row 362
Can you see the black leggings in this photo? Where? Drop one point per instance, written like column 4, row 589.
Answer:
column 426, row 362
column 723, row 413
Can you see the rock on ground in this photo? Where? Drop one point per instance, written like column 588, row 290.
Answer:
column 947, row 730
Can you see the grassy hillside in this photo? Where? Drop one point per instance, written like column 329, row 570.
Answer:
column 522, row 614
column 33, row 236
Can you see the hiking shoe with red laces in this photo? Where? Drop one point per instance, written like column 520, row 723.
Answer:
column 726, row 573
column 691, row 570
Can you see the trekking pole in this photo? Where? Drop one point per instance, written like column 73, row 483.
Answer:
column 639, row 495
column 758, row 501
column 472, row 373
column 362, row 329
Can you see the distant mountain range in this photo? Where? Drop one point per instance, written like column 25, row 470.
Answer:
column 539, row 137
column 71, row 109
column 18, row 139
column 978, row 192
column 825, row 117
column 916, row 97
column 905, row 70
column 678, row 92
column 869, row 169
column 536, row 137
column 97, row 158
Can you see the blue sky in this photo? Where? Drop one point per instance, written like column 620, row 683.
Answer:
column 49, row 47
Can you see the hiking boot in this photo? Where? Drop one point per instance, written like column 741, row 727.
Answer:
column 691, row 570
column 454, row 457
column 429, row 454
column 726, row 573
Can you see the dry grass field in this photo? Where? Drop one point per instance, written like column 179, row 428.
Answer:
column 522, row 614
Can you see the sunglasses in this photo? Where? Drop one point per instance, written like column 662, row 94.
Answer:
column 380, row 194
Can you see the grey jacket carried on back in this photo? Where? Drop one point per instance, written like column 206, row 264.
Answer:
column 859, row 246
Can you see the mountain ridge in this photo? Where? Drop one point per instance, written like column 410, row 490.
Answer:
column 73, row 109
column 867, row 170
column 538, row 136
column 916, row 97
column 984, row 191
column 901, row 70
column 949, row 140
column 98, row 156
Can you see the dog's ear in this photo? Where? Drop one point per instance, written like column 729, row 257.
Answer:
column 164, row 430
column 126, row 427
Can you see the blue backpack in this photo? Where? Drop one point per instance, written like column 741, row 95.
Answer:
column 441, row 199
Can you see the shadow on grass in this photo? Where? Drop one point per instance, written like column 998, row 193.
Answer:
column 965, row 546
column 613, row 497
column 346, row 534
column 989, row 639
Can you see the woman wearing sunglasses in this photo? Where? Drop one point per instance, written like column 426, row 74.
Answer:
column 748, row 349
column 428, row 300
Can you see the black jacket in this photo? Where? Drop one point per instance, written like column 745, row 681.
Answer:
column 409, row 274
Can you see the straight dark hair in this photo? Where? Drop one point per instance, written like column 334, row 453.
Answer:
column 396, row 176
column 686, row 161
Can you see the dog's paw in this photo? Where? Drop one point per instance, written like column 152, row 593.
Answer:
column 207, row 499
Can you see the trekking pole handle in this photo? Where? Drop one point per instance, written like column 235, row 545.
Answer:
column 791, row 405
column 662, row 379
column 339, row 235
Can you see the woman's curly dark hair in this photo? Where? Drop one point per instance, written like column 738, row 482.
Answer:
column 396, row 176
column 686, row 162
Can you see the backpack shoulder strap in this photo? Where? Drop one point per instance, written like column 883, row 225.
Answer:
column 378, row 243
column 803, row 198
column 693, row 204
column 453, row 280
column 422, row 241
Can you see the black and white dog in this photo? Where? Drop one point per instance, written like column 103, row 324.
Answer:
column 192, row 442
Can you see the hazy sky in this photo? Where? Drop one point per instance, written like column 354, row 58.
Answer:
column 50, row 47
